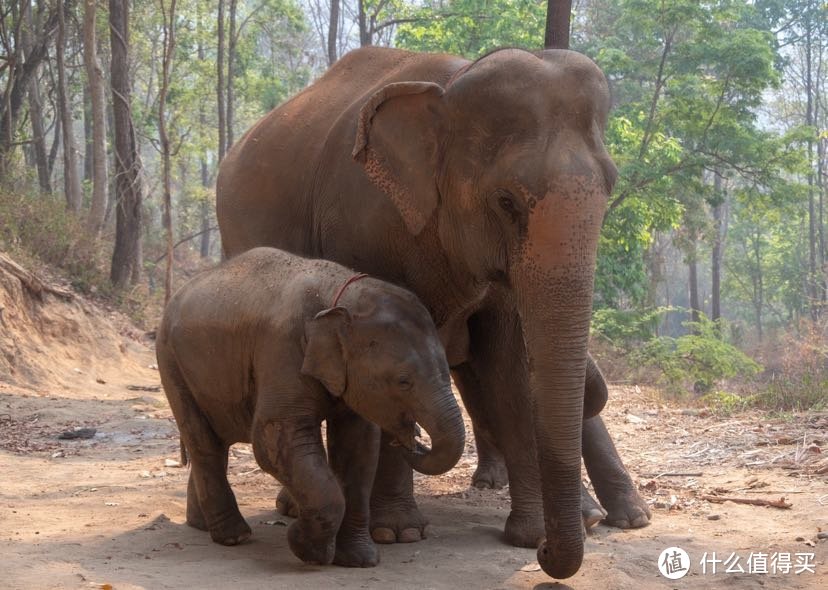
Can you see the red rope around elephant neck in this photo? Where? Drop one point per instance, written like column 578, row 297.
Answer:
column 353, row 279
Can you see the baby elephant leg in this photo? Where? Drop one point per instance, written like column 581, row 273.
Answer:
column 293, row 454
column 353, row 445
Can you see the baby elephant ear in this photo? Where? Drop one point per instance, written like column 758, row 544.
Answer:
column 325, row 349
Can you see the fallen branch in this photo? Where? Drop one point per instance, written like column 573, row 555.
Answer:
column 36, row 286
column 144, row 387
column 676, row 474
column 780, row 503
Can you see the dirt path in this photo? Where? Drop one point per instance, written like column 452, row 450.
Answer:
column 110, row 510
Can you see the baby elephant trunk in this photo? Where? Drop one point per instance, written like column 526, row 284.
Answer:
column 444, row 423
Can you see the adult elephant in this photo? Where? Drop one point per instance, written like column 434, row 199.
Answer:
column 480, row 186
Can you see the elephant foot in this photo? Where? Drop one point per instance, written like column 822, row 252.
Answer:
column 590, row 509
column 308, row 547
column 490, row 475
column 524, row 530
column 356, row 552
column 627, row 510
column 232, row 531
column 285, row 505
column 397, row 521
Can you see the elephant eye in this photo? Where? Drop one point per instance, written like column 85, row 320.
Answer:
column 404, row 382
column 506, row 202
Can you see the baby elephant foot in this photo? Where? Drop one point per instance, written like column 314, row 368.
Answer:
column 286, row 505
column 590, row 509
column 524, row 530
column 490, row 475
column 397, row 522
column 308, row 547
column 231, row 531
column 627, row 510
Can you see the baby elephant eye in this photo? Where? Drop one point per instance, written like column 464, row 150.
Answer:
column 404, row 382
column 506, row 202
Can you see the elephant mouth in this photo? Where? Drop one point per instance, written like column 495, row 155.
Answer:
column 409, row 438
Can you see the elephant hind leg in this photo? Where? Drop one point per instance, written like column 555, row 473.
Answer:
column 285, row 504
column 395, row 517
column 613, row 485
column 491, row 466
column 211, row 504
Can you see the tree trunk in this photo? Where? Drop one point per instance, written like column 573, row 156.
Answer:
column 231, row 74
column 364, row 33
column 36, row 110
column 333, row 32
column 94, row 76
column 127, row 256
column 692, row 275
column 88, row 141
column 222, row 111
column 758, row 285
column 39, row 133
column 813, row 272
column 71, row 178
column 205, row 173
column 558, row 13
column 719, row 229
column 168, row 48
column 19, row 73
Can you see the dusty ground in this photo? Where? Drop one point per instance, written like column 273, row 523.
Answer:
column 110, row 510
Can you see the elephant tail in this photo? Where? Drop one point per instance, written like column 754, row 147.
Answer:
column 184, row 458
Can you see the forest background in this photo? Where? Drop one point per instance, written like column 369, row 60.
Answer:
column 114, row 117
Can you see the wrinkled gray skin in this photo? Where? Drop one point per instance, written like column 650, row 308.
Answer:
column 252, row 351
column 481, row 187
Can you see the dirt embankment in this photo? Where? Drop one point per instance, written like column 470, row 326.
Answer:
column 108, row 511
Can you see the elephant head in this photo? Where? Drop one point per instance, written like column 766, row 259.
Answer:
column 389, row 367
column 506, row 163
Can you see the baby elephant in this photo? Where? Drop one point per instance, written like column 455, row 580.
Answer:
column 263, row 348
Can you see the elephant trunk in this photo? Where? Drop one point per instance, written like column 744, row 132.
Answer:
column 443, row 421
column 555, row 308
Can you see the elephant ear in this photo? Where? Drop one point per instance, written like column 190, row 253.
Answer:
column 397, row 142
column 325, row 349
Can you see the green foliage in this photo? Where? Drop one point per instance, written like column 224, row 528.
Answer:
column 472, row 28
column 622, row 327
column 697, row 360
column 726, row 403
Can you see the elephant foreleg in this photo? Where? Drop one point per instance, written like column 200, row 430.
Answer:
column 353, row 447
column 293, row 453
column 613, row 485
column 478, row 383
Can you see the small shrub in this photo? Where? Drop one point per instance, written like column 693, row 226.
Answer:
column 801, row 380
column 40, row 226
column 726, row 403
column 697, row 360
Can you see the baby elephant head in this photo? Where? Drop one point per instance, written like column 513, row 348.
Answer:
column 389, row 366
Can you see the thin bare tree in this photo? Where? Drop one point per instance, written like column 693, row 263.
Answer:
column 94, row 76
column 71, row 176
column 168, row 46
